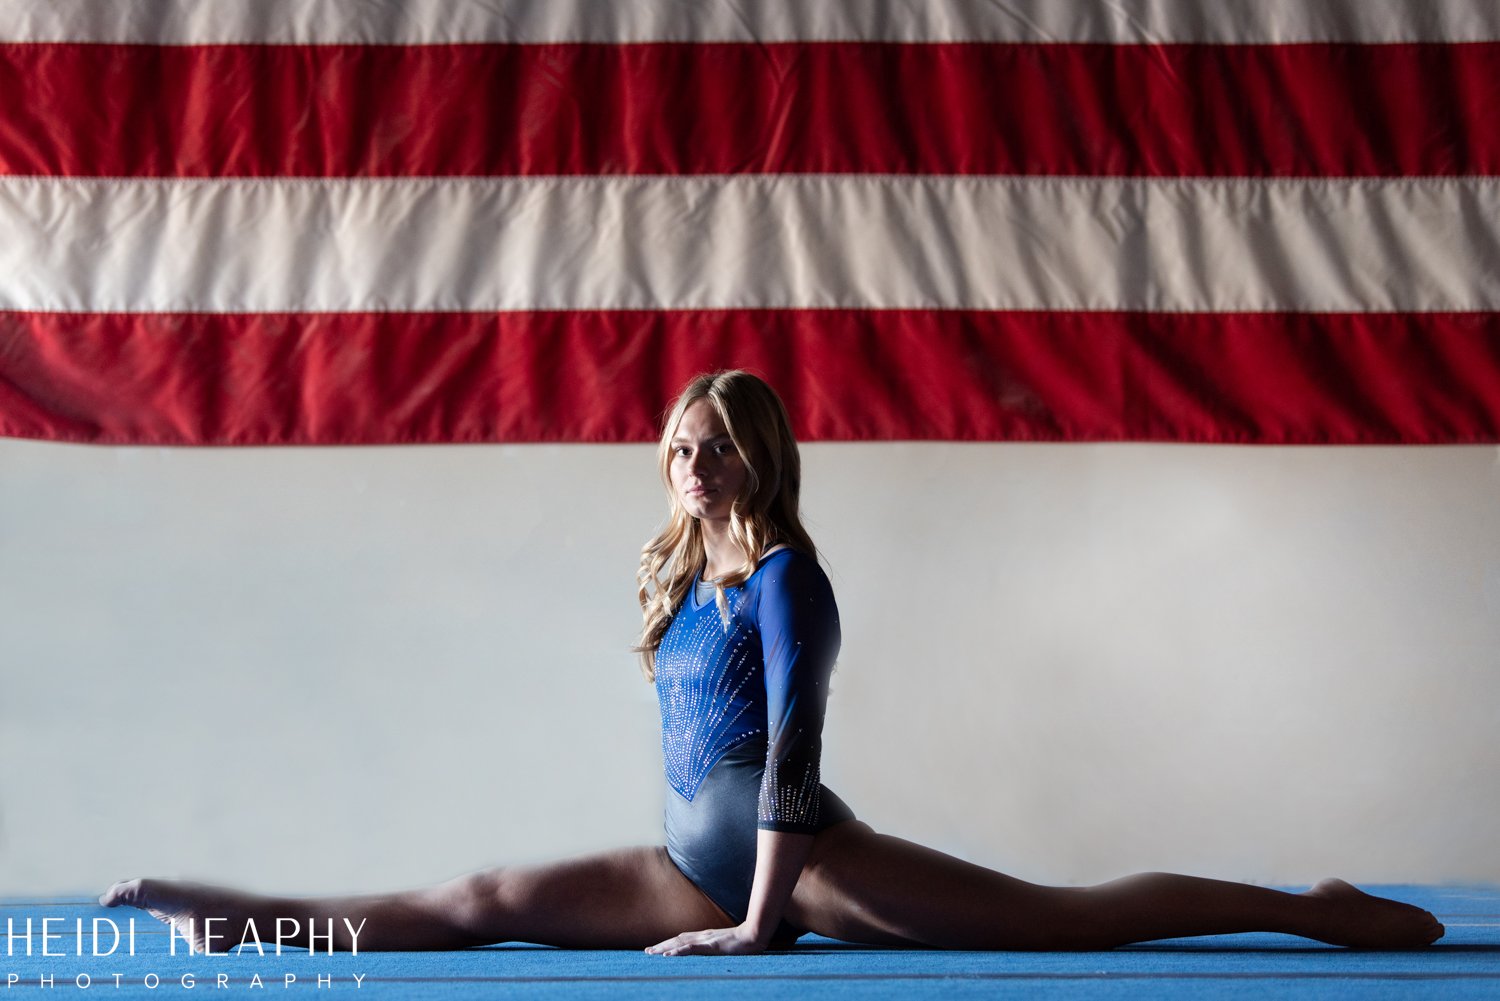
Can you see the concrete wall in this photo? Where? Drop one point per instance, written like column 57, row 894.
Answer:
column 307, row 670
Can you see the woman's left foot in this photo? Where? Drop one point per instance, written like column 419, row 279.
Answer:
column 1363, row 921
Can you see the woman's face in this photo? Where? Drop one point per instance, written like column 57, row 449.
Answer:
column 708, row 473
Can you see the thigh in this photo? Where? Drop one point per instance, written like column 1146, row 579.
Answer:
column 861, row 886
column 621, row 899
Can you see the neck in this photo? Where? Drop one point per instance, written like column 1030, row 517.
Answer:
column 721, row 554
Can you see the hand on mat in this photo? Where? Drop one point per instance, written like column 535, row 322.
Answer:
column 736, row 941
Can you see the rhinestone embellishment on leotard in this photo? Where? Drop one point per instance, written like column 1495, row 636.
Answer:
column 797, row 800
column 702, row 670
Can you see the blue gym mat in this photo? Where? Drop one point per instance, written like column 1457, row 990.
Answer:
column 1464, row 964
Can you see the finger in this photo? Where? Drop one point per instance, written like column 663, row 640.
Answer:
column 699, row 944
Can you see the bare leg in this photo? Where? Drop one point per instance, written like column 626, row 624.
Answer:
column 629, row 898
column 868, row 887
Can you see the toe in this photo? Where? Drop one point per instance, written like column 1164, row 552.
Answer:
column 122, row 892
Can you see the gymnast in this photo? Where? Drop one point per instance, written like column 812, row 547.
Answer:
column 740, row 633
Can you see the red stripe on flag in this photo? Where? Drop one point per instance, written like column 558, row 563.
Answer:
column 846, row 375
column 1150, row 110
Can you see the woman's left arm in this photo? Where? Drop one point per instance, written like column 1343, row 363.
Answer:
column 779, row 858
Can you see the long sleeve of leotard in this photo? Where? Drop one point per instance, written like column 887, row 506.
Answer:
column 799, row 631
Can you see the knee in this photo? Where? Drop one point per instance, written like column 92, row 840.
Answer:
column 473, row 901
column 1104, row 915
column 1071, row 918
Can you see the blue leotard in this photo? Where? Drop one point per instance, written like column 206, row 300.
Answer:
column 741, row 723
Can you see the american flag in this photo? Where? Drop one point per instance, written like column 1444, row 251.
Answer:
column 342, row 221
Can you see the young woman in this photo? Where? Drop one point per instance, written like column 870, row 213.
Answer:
column 740, row 635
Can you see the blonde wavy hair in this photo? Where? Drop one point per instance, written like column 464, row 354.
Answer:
column 763, row 516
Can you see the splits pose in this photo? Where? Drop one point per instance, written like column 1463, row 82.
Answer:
column 739, row 637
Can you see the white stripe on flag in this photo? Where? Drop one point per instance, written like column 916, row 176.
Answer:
column 794, row 241
column 445, row 21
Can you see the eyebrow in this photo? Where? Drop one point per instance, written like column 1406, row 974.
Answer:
column 689, row 441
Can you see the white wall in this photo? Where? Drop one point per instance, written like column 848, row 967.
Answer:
column 317, row 669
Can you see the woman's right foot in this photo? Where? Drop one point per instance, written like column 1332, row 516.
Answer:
column 185, row 906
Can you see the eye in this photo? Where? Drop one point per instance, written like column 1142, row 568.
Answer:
column 724, row 449
column 681, row 450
